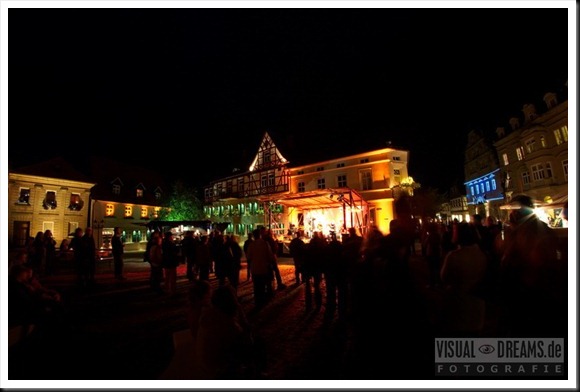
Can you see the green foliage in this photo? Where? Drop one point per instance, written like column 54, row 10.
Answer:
column 183, row 204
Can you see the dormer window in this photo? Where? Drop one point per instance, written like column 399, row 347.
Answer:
column 139, row 192
column 24, row 197
column 49, row 200
column 116, row 189
column 158, row 195
column 76, row 204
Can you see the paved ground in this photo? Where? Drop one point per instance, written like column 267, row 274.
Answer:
column 123, row 331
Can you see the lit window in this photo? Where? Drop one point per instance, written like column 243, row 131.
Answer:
column 321, row 183
column 109, row 209
column 24, row 197
column 526, row 178
column 481, row 188
column 520, row 153
column 493, row 185
column 116, row 189
column 472, row 192
column 543, row 142
column 144, row 212
column 565, row 167
column 558, row 136
column 505, row 159
column 538, row 172
column 565, row 133
column 342, row 180
column 76, row 203
column 397, row 172
column 366, row 180
column 139, row 192
column 301, row 187
column 50, row 200
column 128, row 211
column 156, row 212
column 487, row 186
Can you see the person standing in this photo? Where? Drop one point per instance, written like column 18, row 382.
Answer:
column 170, row 263
column 49, row 252
column 248, row 261
column 89, row 255
column 118, row 251
column 155, row 259
column 76, row 244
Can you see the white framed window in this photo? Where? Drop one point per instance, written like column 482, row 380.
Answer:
column 472, row 192
column 481, row 187
column 116, row 189
column 537, row 172
column 505, row 159
column 128, row 211
column 366, row 180
column 271, row 179
column 525, row 178
column 264, row 180
column 520, row 153
column 565, row 167
column 301, row 186
column 543, row 142
column 75, row 202
column 321, row 183
column 72, row 227
column 50, row 200
column 47, row 225
column 493, row 184
column 487, row 186
column 341, row 180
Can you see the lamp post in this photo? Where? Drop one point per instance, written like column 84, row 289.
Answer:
column 98, row 226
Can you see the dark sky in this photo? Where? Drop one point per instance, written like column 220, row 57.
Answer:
column 193, row 90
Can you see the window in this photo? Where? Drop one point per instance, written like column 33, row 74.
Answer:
column 267, row 157
column 116, row 189
column 76, row 203
column 538, row 172
column 530, row 146
column 396, row 158
column 48, row 226
column 240, row 184
column 300, row 172
column 50, row 200
column 565, row 167
column 144, row 212
column 526, row 178
column 549, row 173
column 543, row 142
column 72, row 227
column 109, row 209
column 139, row 192
column 520, row 153
column 301, row 187
column 158, row 195
column 493, row 185
column 472, row 192
column 365, row 160
column 156, row 212
column 481, row 187
column 340, row 164
column 128, row 211
column 397, row 172
column 487, row 186
column 565, row 133
column 342, row 180
column 505, row 159
column 271, row 179
column 558, row 136
column 320, row 168
column 24, row 197
column 366, row 180
column 321, row 183
column 264, row 181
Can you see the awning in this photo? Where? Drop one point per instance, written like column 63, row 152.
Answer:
column 320, row 198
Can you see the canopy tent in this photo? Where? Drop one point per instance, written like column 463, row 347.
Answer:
column 320, row 198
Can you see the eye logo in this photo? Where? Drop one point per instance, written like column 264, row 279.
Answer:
column 486, row 349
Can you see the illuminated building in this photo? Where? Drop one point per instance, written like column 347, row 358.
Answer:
column 328, row 196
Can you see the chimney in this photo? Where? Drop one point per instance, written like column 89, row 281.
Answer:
column 550, row 100
column 500, row 132
column 515, row 123
column 529, row 112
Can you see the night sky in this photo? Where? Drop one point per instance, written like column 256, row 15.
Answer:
column 191, row 91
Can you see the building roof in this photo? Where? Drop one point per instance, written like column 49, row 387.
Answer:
column 54, row 168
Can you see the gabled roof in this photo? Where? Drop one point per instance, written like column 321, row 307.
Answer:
column 54, row 168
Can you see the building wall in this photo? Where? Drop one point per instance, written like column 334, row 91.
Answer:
column 62, row 220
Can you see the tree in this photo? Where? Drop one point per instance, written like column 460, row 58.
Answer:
column 427, row 202
column 409, row 185
column 183, row 204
